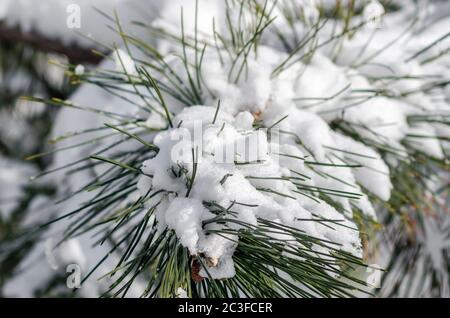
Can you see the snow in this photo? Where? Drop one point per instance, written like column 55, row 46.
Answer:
column 79, row 70
column 184, row 216
column 373, row 13
column 225, row 183
column 380, row 119
column 70, row 252
column 424, row 138
column 14, row 176
column 181, row 293
column 299, row 105
column 79, row 251
column 124, row 63
column 374, row 173
column 322, row 86
column 170, row 15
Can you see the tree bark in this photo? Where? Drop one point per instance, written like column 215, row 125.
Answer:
column 75, row 53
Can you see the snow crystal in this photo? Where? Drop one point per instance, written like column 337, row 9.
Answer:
column 79, row 70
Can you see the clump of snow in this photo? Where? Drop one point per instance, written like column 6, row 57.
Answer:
column 70, row 252
column 79, row 69
column 185, row 183
column 184, row 216
column 373, row 12
column 181, row 293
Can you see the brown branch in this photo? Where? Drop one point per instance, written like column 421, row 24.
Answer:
column 74, row 53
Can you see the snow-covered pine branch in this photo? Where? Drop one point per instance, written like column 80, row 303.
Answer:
column 356, row 111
